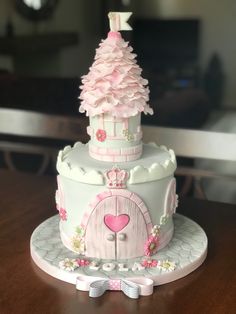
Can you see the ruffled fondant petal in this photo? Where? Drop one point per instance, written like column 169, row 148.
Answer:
column 114, row 83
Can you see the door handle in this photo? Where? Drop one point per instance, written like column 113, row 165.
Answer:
column 122, row 236
column 110, row 237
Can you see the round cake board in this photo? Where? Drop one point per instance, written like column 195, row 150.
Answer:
column 185, row 252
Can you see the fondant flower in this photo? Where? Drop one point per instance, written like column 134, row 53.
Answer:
column 151, row 245
column 166, row 265
column 79, row 231
column 130, row 137
column 148, row 263
column 63, row 213
column 127, row 135
column 125, row 132
column 68, row 264
column 176, row 202
column 101, row 135
column 78, row 244
column 155, row 231
column 82, row 262
column 164, row 219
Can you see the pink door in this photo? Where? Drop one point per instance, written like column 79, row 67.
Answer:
column 116, row 229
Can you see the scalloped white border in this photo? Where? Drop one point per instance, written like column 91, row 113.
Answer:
column 77, row 173
column 156, row 171
column 138, row 174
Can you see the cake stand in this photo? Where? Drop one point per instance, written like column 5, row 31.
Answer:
column 185, row 252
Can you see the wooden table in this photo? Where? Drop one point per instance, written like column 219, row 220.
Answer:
column 27, row 200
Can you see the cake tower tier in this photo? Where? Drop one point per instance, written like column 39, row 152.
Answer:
column 113, row 96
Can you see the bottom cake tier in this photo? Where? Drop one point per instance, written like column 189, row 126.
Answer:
column 116, row 211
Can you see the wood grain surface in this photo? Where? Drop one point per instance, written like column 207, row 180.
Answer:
column 27, row 200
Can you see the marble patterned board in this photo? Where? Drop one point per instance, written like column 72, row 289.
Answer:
column 186, row 251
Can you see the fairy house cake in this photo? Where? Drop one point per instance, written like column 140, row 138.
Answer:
column 116, row 195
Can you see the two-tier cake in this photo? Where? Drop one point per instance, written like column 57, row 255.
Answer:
column 113, row 191
column 116, row 196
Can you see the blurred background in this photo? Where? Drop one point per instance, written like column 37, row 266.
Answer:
column 186, row 49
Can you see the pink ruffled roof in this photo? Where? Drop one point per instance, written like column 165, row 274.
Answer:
column 114, row 84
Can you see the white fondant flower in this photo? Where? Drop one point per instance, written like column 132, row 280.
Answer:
column 78, row 244
column 166, row 265
column 68, row 264
column 127, row 135
column 155, row 230
column 164, row 219
column 176, row 201
column 125, row 132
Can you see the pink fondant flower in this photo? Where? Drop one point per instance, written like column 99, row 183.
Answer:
column 101, row 135
column 63, row 213
column 82, row 262
column 151, row 245
column 148, row 263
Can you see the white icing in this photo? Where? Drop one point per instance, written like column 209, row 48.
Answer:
column 94, row 265
column 77, row 173
column 122, row 267
column 155, row 172
column 108, row 266
column 137, row 266
column 155, row 164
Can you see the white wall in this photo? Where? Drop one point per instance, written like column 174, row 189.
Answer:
column 218, row 31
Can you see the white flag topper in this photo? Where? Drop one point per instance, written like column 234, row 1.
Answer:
column 118, row 21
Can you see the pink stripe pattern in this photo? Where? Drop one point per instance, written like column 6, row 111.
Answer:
column 115, row 154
